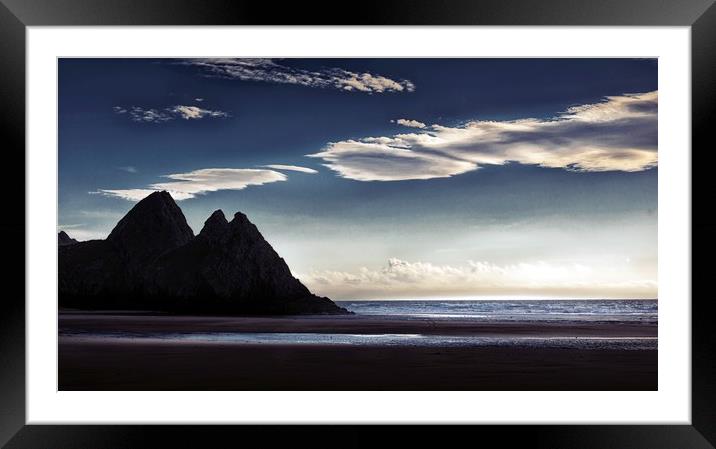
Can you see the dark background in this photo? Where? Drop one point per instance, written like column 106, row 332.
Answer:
column 16, row 14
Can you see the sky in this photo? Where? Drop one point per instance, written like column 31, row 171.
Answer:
column 384, row 178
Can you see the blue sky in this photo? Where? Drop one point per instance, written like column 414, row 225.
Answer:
column 378, row 178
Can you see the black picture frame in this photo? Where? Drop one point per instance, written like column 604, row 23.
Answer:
column 16, row 15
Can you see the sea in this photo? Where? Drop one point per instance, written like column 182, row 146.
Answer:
column 513, row 310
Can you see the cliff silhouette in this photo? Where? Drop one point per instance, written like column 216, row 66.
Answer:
column 152, row 261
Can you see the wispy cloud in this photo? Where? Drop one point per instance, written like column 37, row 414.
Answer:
column 291, row 168
column 138, row 114
column 404, row 279
column 195, row 112
column 69, row 226
column 617, row 134
column 273, row 71
column 128, row 169
column 183, row 186
column 100, row 214
column 409, row 123
column 152, row 115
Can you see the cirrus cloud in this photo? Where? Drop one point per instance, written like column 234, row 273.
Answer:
column 272, row 71
column 183, row 186
column 617, row 134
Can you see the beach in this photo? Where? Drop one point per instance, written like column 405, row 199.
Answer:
column 134, row 351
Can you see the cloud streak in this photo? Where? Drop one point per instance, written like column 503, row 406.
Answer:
column 151, row 115
column 292, row 168
column 183, row 186
column 273, row 71
column 128, row 169
column 404, row 279
column 617, row 134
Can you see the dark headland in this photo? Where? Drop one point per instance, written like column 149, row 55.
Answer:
column 152, row 261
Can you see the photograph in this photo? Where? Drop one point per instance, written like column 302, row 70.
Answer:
column 410, row 224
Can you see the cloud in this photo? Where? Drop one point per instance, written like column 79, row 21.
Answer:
column 139, row 114
column 617, row 134
column 291, row 168
column 409, row 123
column 269, row 70
column 100, row 214
column 69, row 226
column 183, row 186
column 195, row 112
column 404, row 279
column 128, row 169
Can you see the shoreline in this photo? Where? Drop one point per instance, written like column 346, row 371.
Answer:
column 358, row 324
column 148, row 364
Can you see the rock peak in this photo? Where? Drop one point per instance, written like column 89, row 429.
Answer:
column 218, row 214
column 64, row 239
column 242, row 228
column 159, row 195
column 153, row 226
column 215, row 226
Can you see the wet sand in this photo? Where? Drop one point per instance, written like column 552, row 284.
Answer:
column 148, row 364
column 356, row 324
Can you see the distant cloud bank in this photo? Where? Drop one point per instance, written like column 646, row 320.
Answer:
column 151, row 115
column 617, row 134
column 273, row 71
column 404, row 279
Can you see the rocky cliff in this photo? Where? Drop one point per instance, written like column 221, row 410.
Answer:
column 64, row 239
column 152, row 260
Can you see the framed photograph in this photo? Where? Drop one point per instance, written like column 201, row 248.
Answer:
column 241, row 216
